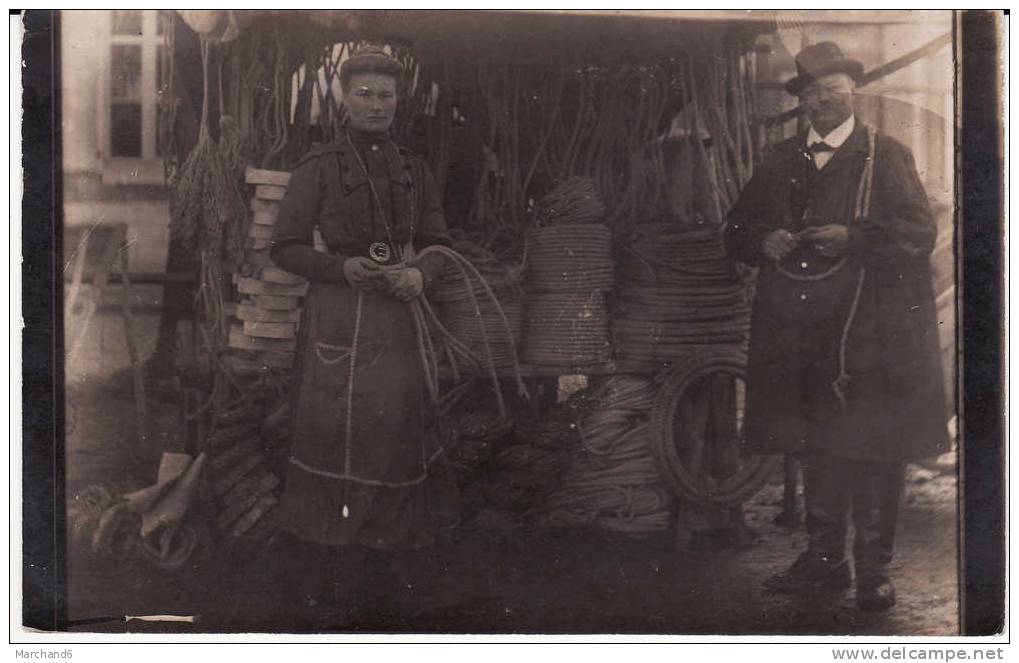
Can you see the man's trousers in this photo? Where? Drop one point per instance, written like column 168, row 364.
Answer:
column 872, row 491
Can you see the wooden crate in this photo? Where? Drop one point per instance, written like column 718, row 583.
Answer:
column 270, row 192
column 241, row 341
column 276, row 302
column 272, row 177
column 248, row 312
column 273, row 274
column 251, row 286
column 271, row 329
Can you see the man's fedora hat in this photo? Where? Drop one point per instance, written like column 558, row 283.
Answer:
column 819, row 60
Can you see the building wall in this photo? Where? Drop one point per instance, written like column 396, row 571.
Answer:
column 100, row 189
column 80, row 58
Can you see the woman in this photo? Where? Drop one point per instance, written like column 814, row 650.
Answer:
column 358, row 462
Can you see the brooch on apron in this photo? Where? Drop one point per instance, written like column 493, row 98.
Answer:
column 379, row 252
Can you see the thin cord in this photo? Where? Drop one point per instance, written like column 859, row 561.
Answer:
column 350, row 402
column 841, row 383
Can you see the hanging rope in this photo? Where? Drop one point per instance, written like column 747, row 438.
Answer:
column 841, row 382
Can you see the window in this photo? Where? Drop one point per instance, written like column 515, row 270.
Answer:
column 132, row 83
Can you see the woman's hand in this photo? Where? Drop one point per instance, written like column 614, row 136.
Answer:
column 830, row 240
column 361, row 273
column 406, row 284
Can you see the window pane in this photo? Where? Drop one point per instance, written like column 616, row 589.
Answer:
column 127, row 22
column 126, row 72
column 126, row 130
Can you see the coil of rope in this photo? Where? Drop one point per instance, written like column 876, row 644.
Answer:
column 613, row 481
column 426, row 318
column 684, row 468
column 566, row 329
column 569, row 264
column 503, row 278
column 572, row 258
column 455, row 307
column 679, row 289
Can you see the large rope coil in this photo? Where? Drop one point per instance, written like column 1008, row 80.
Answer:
column 570, row 258
column 613, row 481
column 569, row 265
column 678, row 289
column 695, row 431
column 455, row 299
column 566, row 329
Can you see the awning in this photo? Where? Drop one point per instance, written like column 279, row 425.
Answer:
column 524, row 35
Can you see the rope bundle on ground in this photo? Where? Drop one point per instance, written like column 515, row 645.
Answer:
column 677, row 289
column 612, row 481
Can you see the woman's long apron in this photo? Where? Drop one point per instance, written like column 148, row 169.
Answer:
column 358, row 462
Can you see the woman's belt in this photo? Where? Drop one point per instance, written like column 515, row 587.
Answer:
column 381, row 252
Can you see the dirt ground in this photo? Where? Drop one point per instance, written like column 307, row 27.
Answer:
column 478, row 580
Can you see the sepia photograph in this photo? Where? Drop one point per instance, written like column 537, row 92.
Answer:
column 509, row 322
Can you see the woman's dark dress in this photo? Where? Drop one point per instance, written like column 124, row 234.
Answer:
column 357, row 479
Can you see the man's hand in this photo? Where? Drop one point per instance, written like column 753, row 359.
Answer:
column 361, row 272
column 405, row 284
column 831, row 240
column 778, row 244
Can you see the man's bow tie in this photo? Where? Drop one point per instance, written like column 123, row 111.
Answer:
column 821, row 146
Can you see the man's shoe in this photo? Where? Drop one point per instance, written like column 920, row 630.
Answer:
column 810, row 573
column 875, row 596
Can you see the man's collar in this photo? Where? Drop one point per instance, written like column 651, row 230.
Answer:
column 836, row 137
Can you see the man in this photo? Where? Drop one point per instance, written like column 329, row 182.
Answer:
column 844, row 365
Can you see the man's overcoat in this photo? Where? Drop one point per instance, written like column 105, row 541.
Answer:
column 844, row 354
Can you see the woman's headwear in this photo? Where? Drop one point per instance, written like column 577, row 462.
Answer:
column 369, row 58
column 819, row 60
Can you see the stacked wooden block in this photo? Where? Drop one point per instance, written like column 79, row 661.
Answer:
column 268, row 312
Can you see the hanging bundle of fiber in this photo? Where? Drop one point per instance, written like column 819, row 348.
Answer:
column 677, row 289
column 207, row 209
column 612, row 481
column 208, row 213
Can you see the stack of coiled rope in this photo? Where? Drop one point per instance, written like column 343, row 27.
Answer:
column 570, row 258
column 677, row 289
column 613, row 481
column 568, row 268
column 455, row 307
